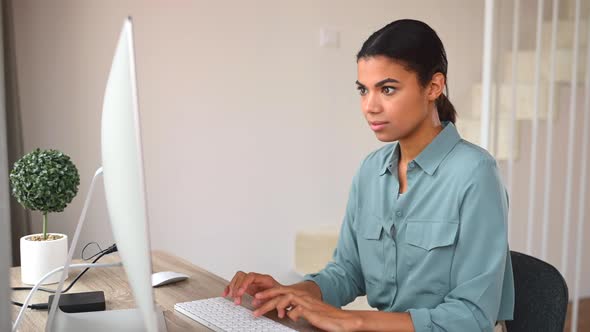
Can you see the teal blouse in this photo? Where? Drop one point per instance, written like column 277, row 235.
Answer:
column 439, row 251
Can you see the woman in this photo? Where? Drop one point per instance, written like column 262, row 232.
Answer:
column 424, row 236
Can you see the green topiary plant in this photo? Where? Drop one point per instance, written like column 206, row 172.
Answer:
column 45, row 181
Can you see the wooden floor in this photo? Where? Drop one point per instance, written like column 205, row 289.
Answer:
column 583, row 317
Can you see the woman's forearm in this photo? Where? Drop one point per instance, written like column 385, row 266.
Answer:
column 383, row 321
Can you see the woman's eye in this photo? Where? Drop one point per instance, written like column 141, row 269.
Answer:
column 388, row 90
column 362, row 90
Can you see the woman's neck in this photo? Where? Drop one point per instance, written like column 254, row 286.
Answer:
column 418, row 140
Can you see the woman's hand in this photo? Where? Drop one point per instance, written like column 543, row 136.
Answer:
column 250, row 283
column 296, row 304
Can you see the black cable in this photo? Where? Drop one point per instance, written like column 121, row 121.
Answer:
column 86, row 246
column 44, row 306
column 35, row 306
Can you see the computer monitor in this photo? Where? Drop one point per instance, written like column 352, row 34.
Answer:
column 123, row 173
column 5, row 250
column 122, row 162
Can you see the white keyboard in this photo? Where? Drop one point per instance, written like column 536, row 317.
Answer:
column 222, row 315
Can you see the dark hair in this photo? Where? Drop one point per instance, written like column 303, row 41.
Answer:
column 419, row 49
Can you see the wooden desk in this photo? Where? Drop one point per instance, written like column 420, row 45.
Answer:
column 113, row 281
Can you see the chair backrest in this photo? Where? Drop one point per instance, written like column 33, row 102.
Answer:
column 541, row 296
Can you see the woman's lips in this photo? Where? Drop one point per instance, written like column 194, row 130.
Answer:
column 377, row 125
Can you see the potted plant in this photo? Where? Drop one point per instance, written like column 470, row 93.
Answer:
column 44, row 181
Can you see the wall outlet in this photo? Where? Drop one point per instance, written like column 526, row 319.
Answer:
column 329, row 38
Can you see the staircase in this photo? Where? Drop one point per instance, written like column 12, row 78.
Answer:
column 469, row 122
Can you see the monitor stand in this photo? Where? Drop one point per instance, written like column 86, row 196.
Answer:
column 112, row 320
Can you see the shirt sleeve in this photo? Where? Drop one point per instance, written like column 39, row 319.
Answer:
column 341, row 281
column 478, row 265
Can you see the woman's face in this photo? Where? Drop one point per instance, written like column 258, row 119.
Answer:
column 392, row 99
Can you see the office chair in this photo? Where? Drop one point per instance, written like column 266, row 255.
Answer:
column 541, row 296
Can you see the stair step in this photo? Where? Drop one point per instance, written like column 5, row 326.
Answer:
column 360, row 303
column 469, row 128
column 567, row 9
column 565, row 34
column 502, row 96
column 314, row 247
column 526, row 65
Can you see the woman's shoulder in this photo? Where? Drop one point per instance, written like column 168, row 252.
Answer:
column 468, row 156
column 466, row 164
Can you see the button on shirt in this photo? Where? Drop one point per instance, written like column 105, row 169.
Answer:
column 439, row 251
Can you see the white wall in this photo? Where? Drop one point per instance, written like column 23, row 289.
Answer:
column 251, row 130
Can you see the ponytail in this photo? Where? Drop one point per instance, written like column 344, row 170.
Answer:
column 446, row 110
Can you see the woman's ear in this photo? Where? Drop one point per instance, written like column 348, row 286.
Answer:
column 436, row 86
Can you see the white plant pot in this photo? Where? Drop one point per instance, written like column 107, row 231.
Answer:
column 37, row 258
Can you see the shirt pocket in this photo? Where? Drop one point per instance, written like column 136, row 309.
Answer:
column 428, row 253
column 371, row 253
column 429, row 235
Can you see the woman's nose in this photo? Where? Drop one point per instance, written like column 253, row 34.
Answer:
column 371, row 104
